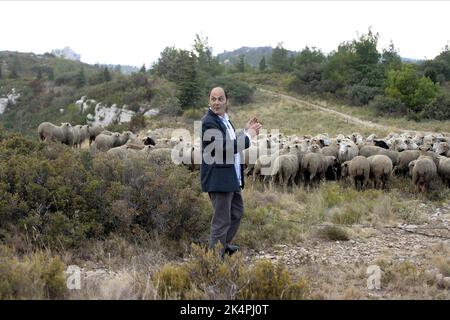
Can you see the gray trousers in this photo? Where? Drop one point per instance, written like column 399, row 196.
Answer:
column 228, row 211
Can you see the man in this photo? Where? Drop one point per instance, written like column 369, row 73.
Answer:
column 221, row 170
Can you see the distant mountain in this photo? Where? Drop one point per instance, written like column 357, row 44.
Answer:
column 124, row 69
column 66, row 53
column 252, row 56
column 411, row 60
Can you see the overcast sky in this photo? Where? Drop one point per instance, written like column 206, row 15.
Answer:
column 134, row 33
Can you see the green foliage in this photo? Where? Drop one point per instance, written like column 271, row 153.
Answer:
column 411, row 89
column 238, row 92
column 262, row 64
column 385, row 105
column 438, row 109
column 308, row 56
column 240, row 66
column 280, row 61
column 57, row 197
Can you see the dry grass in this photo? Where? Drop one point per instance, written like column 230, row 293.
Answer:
column 278, row 113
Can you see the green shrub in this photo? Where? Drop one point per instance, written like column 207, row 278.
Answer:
column 59, row 197
column 237, row 92
column 384, row 105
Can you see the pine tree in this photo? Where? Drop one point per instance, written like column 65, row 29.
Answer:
column 80, row 79
column 262, row 64
column 143, row 70
column 240, row 66
column 106, row 75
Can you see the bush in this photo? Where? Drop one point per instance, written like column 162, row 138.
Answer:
column 207, row 276
column 34, row 276
column 438, row 109
column 273, row 282
column 360, row 95
column 383, row 105
column 334, row 233
column 237, row 92
column 58, row 197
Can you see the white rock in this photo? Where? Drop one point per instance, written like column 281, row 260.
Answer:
column 151, row 112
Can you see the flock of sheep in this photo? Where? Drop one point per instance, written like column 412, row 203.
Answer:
column 155, row 145
column 284, row 159
column 310, row 159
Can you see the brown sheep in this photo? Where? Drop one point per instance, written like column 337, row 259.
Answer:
column 423, row 172
column 358, row 169
column 380, row 170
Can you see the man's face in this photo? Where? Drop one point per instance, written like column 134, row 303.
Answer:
column 217, row 101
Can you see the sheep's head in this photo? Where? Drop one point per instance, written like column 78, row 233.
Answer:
column 343, row 147
column 442, row 148
column 314, row 148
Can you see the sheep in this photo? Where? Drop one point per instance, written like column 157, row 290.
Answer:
column 332, row 150
column 347, row 150
column 423, row 172
column 443, row 149
column 357, row 138
column 148, row 141
column 94, row 131
column 314, row 148
column 380, row 170
column 285, row 168
column 314, row 166
column 444, row 170
column 83, row 133
column 404, row 158
column 380, row 143
column 68, row 133
column 104, row 142
column 124, row 137
column 121, row 152
column 49, row 132
column 358, row 169
column 368, row 151
column 76, row 136
column 398, row 144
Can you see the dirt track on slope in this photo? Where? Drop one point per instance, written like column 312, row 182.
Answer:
column 343, row 115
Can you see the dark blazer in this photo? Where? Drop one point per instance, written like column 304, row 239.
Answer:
column 219, row 174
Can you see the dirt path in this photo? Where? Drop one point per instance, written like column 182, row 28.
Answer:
column 342, row 115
